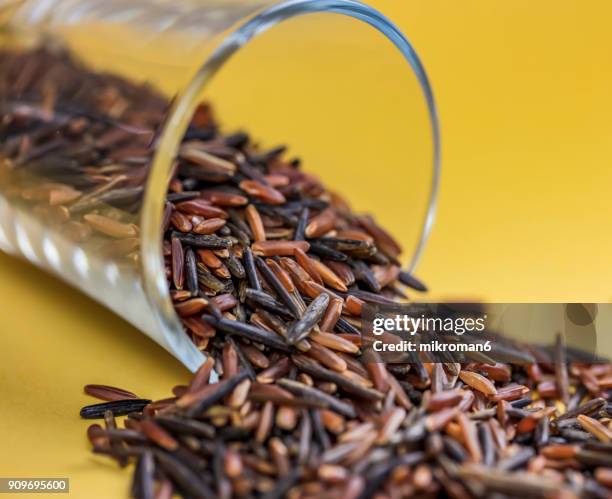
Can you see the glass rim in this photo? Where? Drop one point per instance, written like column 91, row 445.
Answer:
column 175, row 127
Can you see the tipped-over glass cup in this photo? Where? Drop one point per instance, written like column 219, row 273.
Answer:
column 143, row 69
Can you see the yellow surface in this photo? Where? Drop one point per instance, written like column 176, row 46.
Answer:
column 524, row 95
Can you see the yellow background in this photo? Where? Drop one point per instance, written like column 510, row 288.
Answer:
column 523, row 89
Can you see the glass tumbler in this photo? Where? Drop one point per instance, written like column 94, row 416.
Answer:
column 79, row 76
